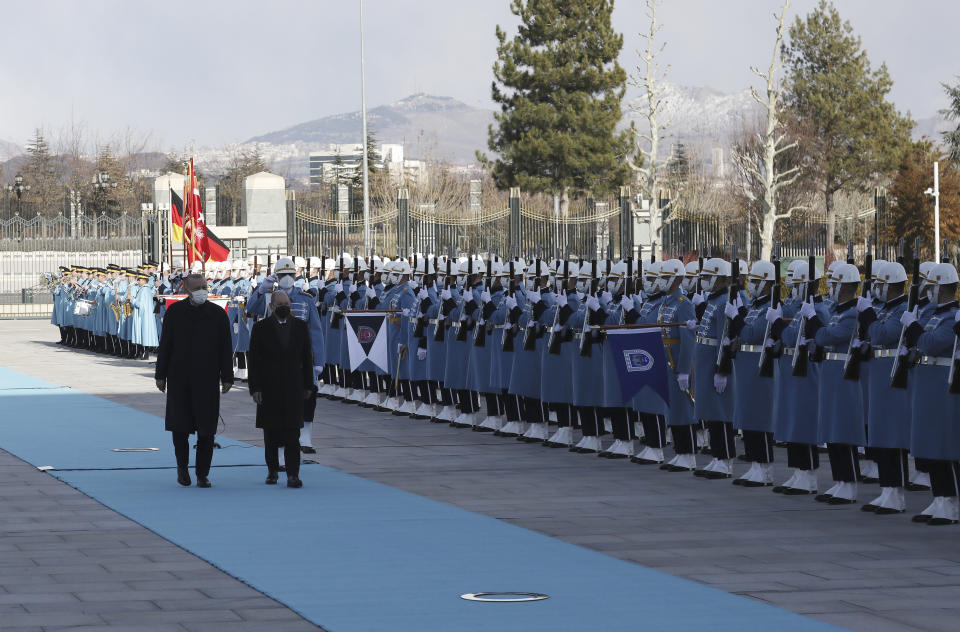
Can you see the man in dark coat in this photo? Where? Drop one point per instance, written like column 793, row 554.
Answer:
column 280, row 364
column 195, row 359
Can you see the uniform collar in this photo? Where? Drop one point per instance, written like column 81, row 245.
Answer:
column 946, row 307
column 896, row 301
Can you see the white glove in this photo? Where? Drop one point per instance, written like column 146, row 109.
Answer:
column 769, row 342
column 413, row 284
column 407, row 312
column 593, row 304
column 774, row 314
column 558, row 327
column 606, row 297
column 697, row 298
column 266, row 285
column 626, row 303
column 511, row 303
column 692, row 324
column 730, row 310
column 399, row 349
column 683, row 381
column 719, row 382
column 445, row 295
column 531, row 323
column 317, row 370
column 440, row 316
column 807, row 310
column 956, row 316
column 421, row 354
column 371, row 293
column 485, row 296
column 338, row 287
column 864, row 303
column 561, row 300
column 909, row 317
column 534, row 296
column 422, row 294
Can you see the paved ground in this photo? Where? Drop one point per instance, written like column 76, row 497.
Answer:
column 857, row 570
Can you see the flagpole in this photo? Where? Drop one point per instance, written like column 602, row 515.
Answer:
column 363, row 116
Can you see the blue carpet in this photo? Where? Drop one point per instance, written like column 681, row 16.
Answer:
column 353, row 555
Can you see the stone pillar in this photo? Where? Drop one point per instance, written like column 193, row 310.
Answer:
column 265, row 207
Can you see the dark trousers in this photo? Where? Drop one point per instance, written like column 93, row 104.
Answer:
column 684, row 438
column 241, row 360
column 803, row 456
column 591, row 423
column 181, row 448
column 758, row 446
column 722, row 436
column 654, row 430
column 512, row 407
column 289, row 439
column 844, row 462
column 944, row 476
column 892, row 465
column 310, row 406
column 467, row 401
column 533, row 411
column 564, row 414
column 621, row 424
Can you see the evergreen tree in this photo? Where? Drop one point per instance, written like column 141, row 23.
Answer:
column 42, row 173
column 559, row 87
column 912, row 209
column 952, row 113
column 852, row 132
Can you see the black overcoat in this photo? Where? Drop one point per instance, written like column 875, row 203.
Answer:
column 282, row 373
column 194, row 357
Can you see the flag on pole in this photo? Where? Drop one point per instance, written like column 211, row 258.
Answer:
column 176, row 216
column 216, row 249
column 367, row 341
column 639, row 359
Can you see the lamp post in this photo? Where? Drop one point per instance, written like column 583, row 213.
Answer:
column 935, row 193
column 363, row 116
column 102, row 184
column 18, row 187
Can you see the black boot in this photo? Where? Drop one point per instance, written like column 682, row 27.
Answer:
column 183, row 476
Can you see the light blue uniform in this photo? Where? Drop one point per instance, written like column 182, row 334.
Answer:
column 556, row 376
column 840, row 404
column 888, row 416
column 675, row 308
column 525, row 373
column 711, row 405
column 935, row 432
column 752, row 394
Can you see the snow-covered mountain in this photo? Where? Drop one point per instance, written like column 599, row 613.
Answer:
column 8, row 150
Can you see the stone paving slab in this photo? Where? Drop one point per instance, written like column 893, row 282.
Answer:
column 856, row 570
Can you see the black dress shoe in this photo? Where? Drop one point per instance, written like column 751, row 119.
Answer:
column 869, row 507
column 272, row 478
column 887, row 511
column 739, row 481
column 678, row 468
column 780, row 489
column 836, row 500
column 183, row 477
column 293, row 481
column 939, row 522
column 700, row 473
column 913, row 487
column 822, row 498
column 796, row 491
column 921, row 518
column 308, row 449
column 755, row 484
column 640, row 461
column 714, row 475
column 283, row 468
column 202, row 481
column 744, row 458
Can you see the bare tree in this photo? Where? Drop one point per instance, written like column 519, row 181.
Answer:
column 649, row 78
column 774, row 142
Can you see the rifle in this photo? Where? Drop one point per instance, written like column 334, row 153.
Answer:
column 586, row 334
column 439, row 334
column 769, row 354
column 801, row 352
column 462, row 331
column 509, row 332
column 903, row 361
column 335, row 318
column 726, row 353
column 851, row 366
column 530, row 339
column 553, row 343
column 900, row 252
column 480, row 330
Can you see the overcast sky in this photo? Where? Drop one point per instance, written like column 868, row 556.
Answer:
column 215, row 72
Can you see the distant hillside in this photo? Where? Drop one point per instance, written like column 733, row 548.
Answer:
column 440, row 127
column 8, row 150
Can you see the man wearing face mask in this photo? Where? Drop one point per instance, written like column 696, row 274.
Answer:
column 650, row 407
column 281, row 378
column 303, row 307
column 195, row 359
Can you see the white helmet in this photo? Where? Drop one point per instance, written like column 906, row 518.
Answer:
column 300, row 262
column 762, row 272
column 651, row 276
column 797, row 276
column 692, row 271
column 239, row 264
column 940, row 274
column 890, row 273
column 713, row 268
column 670, row 270
column 284, row 266
column 585, row 276
column 875, row 268
column 617, row 276
column 743, row 269
column 833, row 268
column 842, row 274
column 925, row 267
column 314, row 263
column 401, row 267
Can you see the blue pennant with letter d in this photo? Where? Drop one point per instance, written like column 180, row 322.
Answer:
column 640, row 361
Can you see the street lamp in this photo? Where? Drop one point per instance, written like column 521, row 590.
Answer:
column 19, row 187
column 935, row 193
column 101, row 184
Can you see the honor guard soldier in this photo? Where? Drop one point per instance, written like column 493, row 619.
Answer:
column 650, row 408
column 556, row 378
column 526, row 373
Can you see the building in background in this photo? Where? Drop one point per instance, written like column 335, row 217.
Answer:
column 342, row 163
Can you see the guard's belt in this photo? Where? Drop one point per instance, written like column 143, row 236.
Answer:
column 884, row 353
column 703, row 340
column 836, row 356
column 751, row 348
column 936, row 361
column 788, row 351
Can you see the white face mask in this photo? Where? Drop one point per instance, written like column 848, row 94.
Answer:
column 833, row 290
column 198, row 297
column 933, row 292
column 613, row 285
column 755, row 287
column 708, row 282
column 689, row 284
column 285, row 282
column 650, row 284
column 583, row 285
